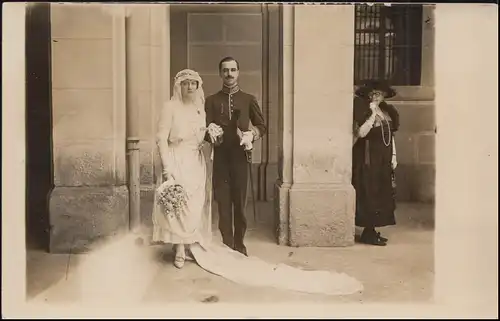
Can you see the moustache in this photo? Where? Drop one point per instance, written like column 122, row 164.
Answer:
column 229, row 77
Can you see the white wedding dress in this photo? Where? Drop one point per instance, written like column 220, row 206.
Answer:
column 181, row 130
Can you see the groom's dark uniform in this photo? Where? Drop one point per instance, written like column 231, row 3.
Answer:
column 232, row 108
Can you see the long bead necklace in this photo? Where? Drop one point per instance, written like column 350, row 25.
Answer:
column 387, row 144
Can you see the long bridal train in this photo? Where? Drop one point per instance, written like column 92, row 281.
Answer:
column 252, row 271
column 215, row 257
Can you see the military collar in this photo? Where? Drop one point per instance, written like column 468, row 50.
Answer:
column 230, row 90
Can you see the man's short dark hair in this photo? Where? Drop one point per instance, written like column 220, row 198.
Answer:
column 226, row 59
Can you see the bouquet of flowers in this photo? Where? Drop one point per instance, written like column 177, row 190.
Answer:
column 215, row 133
column 171, row 196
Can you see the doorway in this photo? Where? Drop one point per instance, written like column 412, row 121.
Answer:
column 39, row 165
column 200, row 36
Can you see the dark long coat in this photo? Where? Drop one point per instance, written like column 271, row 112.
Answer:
column 372, row 174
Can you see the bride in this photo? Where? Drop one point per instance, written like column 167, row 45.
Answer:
column 180, row 140
column 185, row 161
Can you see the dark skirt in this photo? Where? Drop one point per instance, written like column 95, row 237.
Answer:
column 373, row 180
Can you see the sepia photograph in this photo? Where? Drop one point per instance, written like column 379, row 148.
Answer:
column 230, row 153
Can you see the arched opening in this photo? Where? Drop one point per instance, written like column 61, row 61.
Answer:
column 39, row 165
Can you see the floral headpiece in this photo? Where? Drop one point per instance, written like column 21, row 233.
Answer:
column 188, row 74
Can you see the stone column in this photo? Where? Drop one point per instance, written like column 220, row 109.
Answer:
column 317, row 126
column 90, row 197
column 160, row 91
column 285, row 125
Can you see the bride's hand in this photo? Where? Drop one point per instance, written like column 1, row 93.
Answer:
column 167, row 176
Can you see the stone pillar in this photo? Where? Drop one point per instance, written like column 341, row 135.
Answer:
column 160, row 90
column 148, row 87
column 317, row 126
column 285, row 125
column 90, row 197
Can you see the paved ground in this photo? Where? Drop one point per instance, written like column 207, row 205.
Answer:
column 403, row 271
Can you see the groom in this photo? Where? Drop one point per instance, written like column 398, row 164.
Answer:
column 232, row 110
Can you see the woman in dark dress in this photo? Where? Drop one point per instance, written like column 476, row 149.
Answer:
column 374, row 159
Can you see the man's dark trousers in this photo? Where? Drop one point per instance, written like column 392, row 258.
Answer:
column 231, row 184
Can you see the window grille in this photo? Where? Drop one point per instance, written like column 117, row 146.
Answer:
column 388, row 43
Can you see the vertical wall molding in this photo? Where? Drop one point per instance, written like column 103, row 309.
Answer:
column 119, row 45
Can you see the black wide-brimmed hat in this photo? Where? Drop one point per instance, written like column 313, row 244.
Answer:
column 370, row 85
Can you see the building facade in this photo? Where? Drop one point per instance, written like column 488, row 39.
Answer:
column 111, row 71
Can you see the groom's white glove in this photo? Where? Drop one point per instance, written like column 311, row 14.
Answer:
column 247, row 139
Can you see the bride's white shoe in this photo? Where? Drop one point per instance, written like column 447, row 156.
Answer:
column 180, row 256
column 179, row 262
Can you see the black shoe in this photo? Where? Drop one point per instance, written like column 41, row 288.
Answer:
column 242, row 249
column 372, row 238
column 383, row 239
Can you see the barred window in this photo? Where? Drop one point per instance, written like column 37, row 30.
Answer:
column 388, row 43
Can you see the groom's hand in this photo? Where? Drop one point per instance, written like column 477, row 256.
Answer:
column 247, row 139
column 215, row 132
